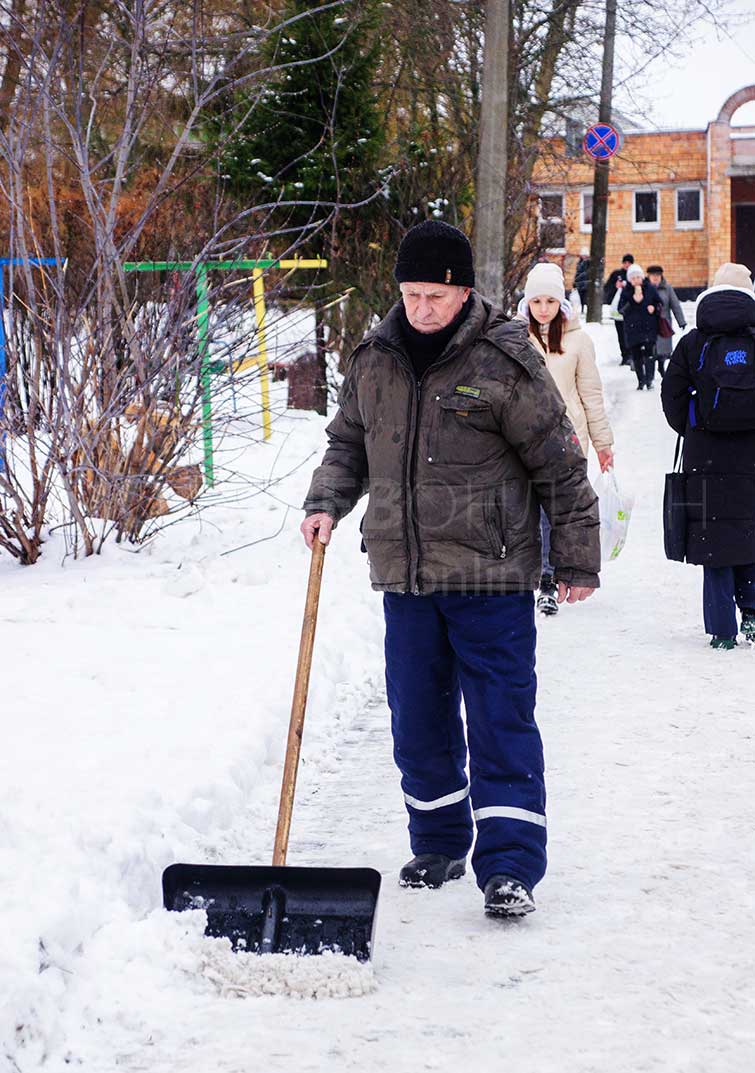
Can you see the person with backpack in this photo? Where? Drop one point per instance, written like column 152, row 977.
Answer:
column 708, row 396
column 670, row 304
column 639, row 305
column 569, row 357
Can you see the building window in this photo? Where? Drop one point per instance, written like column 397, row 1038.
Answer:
column 551, row 225
column 647, row 211
column 689, row 209
column 585, row 211
column 575, row 132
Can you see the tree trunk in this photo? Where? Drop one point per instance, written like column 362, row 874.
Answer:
column 491, row 159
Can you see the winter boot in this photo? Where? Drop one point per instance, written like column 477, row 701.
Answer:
column 723, row 642
column 507, row 897
column 430, row 870
column 748, row 624
column 546, row 601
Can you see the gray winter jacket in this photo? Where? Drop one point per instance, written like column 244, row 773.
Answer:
column 669, row 304
column 457, row 465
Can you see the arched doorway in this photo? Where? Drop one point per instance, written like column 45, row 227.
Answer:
column 741, row 173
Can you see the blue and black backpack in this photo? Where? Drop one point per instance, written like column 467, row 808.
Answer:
column 725, row 381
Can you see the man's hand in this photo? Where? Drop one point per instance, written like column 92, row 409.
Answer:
column 605, row 457
column 322, row 524
column 573, row 594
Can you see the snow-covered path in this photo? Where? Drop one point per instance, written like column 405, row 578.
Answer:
column 639, row 958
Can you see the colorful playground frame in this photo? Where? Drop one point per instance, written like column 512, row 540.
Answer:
column 258, row 269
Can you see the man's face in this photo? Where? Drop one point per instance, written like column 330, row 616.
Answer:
column 626, row 265
column 432, row 306
column 654, row 278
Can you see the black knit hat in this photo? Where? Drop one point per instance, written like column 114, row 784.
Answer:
column 435, row 252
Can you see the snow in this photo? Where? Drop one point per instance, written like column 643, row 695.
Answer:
column 145, row 709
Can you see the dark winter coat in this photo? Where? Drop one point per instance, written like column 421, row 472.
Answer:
column 670, row 304
column 720, row 465
column 582, row 277
column 609, row 290
column 456, row 465
column 640, row 325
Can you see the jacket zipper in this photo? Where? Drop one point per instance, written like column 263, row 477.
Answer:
column 410, row 468
column 414, row 395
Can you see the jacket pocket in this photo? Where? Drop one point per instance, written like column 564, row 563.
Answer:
column 464, row 431
column 494, row 526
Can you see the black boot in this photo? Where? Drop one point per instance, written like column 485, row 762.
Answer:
column 507, row 897
column 546, row 601
column 748, row 624
column 431, row 870
column 725, row 643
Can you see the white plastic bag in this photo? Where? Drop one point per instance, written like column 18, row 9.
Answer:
column 615, row 512
column 613, row 311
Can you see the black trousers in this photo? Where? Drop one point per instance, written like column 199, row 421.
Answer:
column 643, row 359
column 724, row 589
column 622, row 344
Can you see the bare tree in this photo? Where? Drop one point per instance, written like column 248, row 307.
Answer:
column 101, row 162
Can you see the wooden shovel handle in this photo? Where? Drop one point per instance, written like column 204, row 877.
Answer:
column 299, row 705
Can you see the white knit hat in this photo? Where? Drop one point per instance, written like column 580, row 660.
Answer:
column 635, row 270
column 733, row 275
column 545, row 279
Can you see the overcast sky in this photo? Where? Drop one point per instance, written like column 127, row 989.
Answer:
column 689, row 93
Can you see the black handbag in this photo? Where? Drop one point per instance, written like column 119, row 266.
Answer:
column 675, row 510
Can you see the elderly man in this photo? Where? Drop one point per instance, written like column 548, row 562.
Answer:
column 449, row 419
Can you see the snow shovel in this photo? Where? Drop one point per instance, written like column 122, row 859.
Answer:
column 282, row 909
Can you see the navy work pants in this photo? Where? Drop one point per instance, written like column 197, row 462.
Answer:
column 724, row 589
column 437, row 648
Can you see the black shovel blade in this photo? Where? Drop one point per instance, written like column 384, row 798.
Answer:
column 280, row 910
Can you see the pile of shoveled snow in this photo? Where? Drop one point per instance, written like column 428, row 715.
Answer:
column 242, row 974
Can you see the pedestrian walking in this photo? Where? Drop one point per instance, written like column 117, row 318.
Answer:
column 449, row 419
column 582, row 276
column 570, row 359
column 669, row 305
column 638, row 305
column 708, row 396
column 616, row 282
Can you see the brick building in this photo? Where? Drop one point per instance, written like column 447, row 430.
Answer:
column 682, row 198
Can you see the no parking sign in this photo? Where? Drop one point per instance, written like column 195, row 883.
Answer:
column 602, row 141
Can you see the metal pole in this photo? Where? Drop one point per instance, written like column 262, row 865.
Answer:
column 259, row 312
column 600, row 185
column 3, row 365
column 490, row 200
column 204, row 358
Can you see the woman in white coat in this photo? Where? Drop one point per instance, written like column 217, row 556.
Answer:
column 569, row 355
